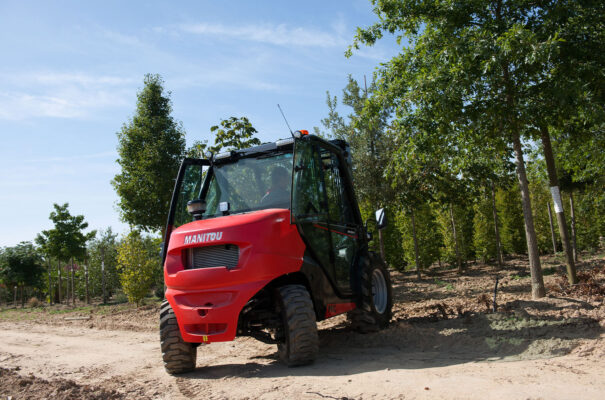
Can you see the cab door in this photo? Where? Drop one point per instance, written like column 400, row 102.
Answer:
column 342, row 225
column 323, row 210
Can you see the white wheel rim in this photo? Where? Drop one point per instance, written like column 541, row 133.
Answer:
column 379, row 291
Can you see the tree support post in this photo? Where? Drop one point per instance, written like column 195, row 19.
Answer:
column 60, row 282
column 50, row 285
column 556, row 197
column 86, row 281
column 73, row 286
column 103, row 274
column 552, row 230
column 496, row 228
column 573, row 227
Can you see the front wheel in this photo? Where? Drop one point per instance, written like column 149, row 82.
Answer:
column 299, row 342
column 179, row 356
column 376, row 300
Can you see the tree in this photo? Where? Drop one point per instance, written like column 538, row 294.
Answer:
column 21, row 267
column 233, row 133
column 421, row 236
column 66, row 241
column 136, row 267
column 230, row 134
column 150, row 148
column 102, row 255
column 482, row 62
column 370, row 145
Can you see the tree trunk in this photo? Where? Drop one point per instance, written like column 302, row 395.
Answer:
column 537, row 281
column 497, row 229
column 103, row 274
column 67, row 286
column 50, row 285
column 60, row 282
column 415, row 246
column 455, row 239
column 573, row 227
column 86, row 281
column 73, row 286
column 552, row 231
column 556, row 196
column 537, row 284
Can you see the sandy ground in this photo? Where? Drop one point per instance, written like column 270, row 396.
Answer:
column 442, row 343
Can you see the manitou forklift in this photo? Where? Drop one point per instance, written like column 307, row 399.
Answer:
column 265, row 242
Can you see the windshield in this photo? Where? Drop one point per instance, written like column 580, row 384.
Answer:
column 249, row 184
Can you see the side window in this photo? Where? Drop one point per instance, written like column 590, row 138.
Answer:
column 189, row 190
column 339, row 204
column 308, row 197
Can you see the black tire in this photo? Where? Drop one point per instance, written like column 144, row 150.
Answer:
column 300, row 343
column 376, row 299
column 179, row 356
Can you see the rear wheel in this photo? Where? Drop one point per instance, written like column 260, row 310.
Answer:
column 377, row 300
column 299, row 343
column 179, row 356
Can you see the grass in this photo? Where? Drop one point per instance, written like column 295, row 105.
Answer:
column 448, row 286
column 46, row 311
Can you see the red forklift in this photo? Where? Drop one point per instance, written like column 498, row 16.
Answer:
column 265, row 242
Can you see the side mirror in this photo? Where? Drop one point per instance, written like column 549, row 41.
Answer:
column 381, row 219
column 196, row 208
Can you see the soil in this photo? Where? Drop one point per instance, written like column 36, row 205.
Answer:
column 444, row 341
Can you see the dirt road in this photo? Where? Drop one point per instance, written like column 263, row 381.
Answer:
column 549, row 349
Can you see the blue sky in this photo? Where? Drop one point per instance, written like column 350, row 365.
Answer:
column 70, row 71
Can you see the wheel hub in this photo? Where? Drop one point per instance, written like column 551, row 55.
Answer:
column 379, row 291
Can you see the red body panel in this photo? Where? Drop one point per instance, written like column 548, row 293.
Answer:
column 207, row 301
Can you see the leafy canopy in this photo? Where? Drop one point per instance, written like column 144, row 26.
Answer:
column 150, row 148
column 67, row 239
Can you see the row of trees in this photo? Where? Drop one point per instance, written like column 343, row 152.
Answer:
column 65, row 264
column 457, row 222
column 474, row 83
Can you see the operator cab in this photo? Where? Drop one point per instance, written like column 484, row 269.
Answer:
column 307, row 175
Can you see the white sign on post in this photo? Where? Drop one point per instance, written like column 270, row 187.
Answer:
column 556, row 197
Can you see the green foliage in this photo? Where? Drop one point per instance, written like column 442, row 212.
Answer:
column 471, row 78
column 136, row 266
column 150, row 147
column 463, row 217
column 510, row 214
column 231, row 134
column 104, row 247
column 590, row 217
column 67, row 239
column 21, row 265
column 199, row 149
column 540, row 198
column 371, row 149
column 427, row 233
column 484, row 236
column 392, row 237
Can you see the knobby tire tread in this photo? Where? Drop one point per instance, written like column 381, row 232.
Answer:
column 179, row 356
column 301, row 343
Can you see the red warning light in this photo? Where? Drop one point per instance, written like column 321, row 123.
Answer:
column 304, row 132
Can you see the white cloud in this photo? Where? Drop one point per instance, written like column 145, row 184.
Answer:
column 60, row 95
column 280, row 35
